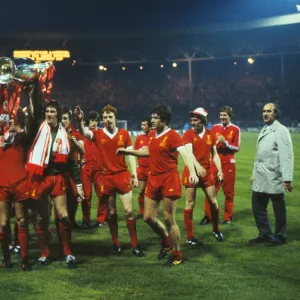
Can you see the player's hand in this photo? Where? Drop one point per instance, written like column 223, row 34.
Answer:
column 73, row 139
column 78, row 114
column 288, row 187
column 220, row 176
column 194, row 179
column 200, row 170
column 221, row 139
column 251, row 180
column 121, row 151
column 134, row 180
column 80, row 192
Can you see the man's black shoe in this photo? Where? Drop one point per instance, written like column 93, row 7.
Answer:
column 43, row 261
column 139, row 217
column 116, row 250
column 6, row 263
column 276, row 241
column 137, row 251
column 261, row 239
column 71, row 261
column 25, row 265
column 204, row 221
column 163, row 252
column 194, row 242
column 173, row 261
column 225, row 222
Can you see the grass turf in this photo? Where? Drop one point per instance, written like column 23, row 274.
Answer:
column 228, row 270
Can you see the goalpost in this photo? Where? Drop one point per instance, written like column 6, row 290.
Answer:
column 120, row 124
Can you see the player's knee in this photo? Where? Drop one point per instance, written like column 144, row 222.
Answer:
column 3, row 223
column 141, row 192
column 22, row 222
column 190, row 205
column 128, row 212
column 111, row 213
column 64, row 220
column 148, row 218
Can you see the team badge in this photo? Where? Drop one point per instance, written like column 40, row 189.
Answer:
column 230, row 135
column 208, row 140
column 120, row 141
column 102, row 141
column 163, row 144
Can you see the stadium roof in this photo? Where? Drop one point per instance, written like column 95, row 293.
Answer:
column 269, row 36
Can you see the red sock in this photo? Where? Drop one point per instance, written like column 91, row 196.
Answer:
column 141, row 204
column 188, row 223
column 131, row 226
column 167, row 242
column 177, row 253
column 66, row 234
column 42, row 237
column 23, row 235
column 113, row 227
column 86, row 210
column 4, row 241
column 102, row 210
column 215, row 217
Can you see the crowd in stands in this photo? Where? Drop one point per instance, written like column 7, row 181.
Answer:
column 135, row 92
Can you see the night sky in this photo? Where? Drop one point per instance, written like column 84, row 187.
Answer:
column 104, row 16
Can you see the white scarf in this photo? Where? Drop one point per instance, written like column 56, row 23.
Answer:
column 41, row 149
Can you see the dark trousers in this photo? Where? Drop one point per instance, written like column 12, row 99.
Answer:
column 260, row 211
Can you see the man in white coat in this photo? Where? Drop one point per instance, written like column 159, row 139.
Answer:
column 272, row 176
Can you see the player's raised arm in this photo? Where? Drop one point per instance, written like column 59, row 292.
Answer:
column 78, row 115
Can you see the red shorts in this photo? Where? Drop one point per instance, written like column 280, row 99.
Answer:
column 142, row 173
column 115, row 183
column 165, row 185
column 88, row 178
column 19, row 192
column 53, row 185
column 204, row 182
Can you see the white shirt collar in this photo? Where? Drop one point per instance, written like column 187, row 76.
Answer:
column 111, row 135
column 162, row 133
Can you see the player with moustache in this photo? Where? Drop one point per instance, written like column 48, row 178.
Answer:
column 116, row 178
column 201, row 145
column 163, row 183
column 49, row 165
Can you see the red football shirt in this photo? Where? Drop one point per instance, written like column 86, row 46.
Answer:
column 108, row 144
column 201, row 145
column 232, row 136
column 12, row 162
column 91, row 156
column 163, row 151
column 141, row 141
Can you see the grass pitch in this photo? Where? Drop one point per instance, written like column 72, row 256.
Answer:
column 228, row 270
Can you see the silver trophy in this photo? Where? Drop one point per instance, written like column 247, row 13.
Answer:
column 20, row 70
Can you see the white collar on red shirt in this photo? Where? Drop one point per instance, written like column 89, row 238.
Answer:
column 229, row 124
column 111, row 135
column 201, row 134
column 162, row 133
